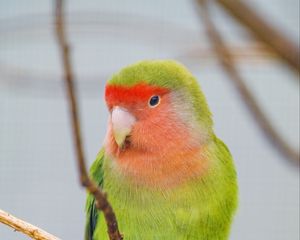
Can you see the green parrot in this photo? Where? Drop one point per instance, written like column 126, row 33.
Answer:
column 166, row 174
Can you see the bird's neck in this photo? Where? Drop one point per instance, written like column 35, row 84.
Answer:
column 159, row 170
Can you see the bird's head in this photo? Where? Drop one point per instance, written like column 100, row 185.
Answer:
column 157, row 114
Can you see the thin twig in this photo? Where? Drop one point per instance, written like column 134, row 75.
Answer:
column 229, row 67
column 101, row 199
column 281, row 45
column 24, row 227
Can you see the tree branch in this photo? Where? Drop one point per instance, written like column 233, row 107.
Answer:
column 24, row 227
column 249, row 100
column 281, row 45
column 100, row 197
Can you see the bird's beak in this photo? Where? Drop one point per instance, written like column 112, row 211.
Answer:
column 122, row 122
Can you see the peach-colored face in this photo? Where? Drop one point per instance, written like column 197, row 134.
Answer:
column 159, row 149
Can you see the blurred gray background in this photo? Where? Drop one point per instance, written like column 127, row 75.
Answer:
column 38, row 178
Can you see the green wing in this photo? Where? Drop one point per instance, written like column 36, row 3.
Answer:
column 96, row 173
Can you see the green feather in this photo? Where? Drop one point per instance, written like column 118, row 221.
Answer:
column 96, row 174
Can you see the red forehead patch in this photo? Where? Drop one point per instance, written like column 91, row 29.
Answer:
column 138, row 93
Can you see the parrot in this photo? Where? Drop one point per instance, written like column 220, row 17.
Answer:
column 165, row 172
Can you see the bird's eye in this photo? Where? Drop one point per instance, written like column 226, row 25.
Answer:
column 154, row 101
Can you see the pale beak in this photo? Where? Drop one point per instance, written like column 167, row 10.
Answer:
column 122, row 123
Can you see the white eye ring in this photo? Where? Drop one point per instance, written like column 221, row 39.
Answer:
column 154, row 101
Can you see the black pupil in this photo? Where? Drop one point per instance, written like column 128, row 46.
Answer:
column 154, row 100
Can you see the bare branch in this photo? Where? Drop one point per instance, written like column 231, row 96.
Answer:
column 281, row 45
column 249, row 100
column 24, row 227
column 101, row 200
